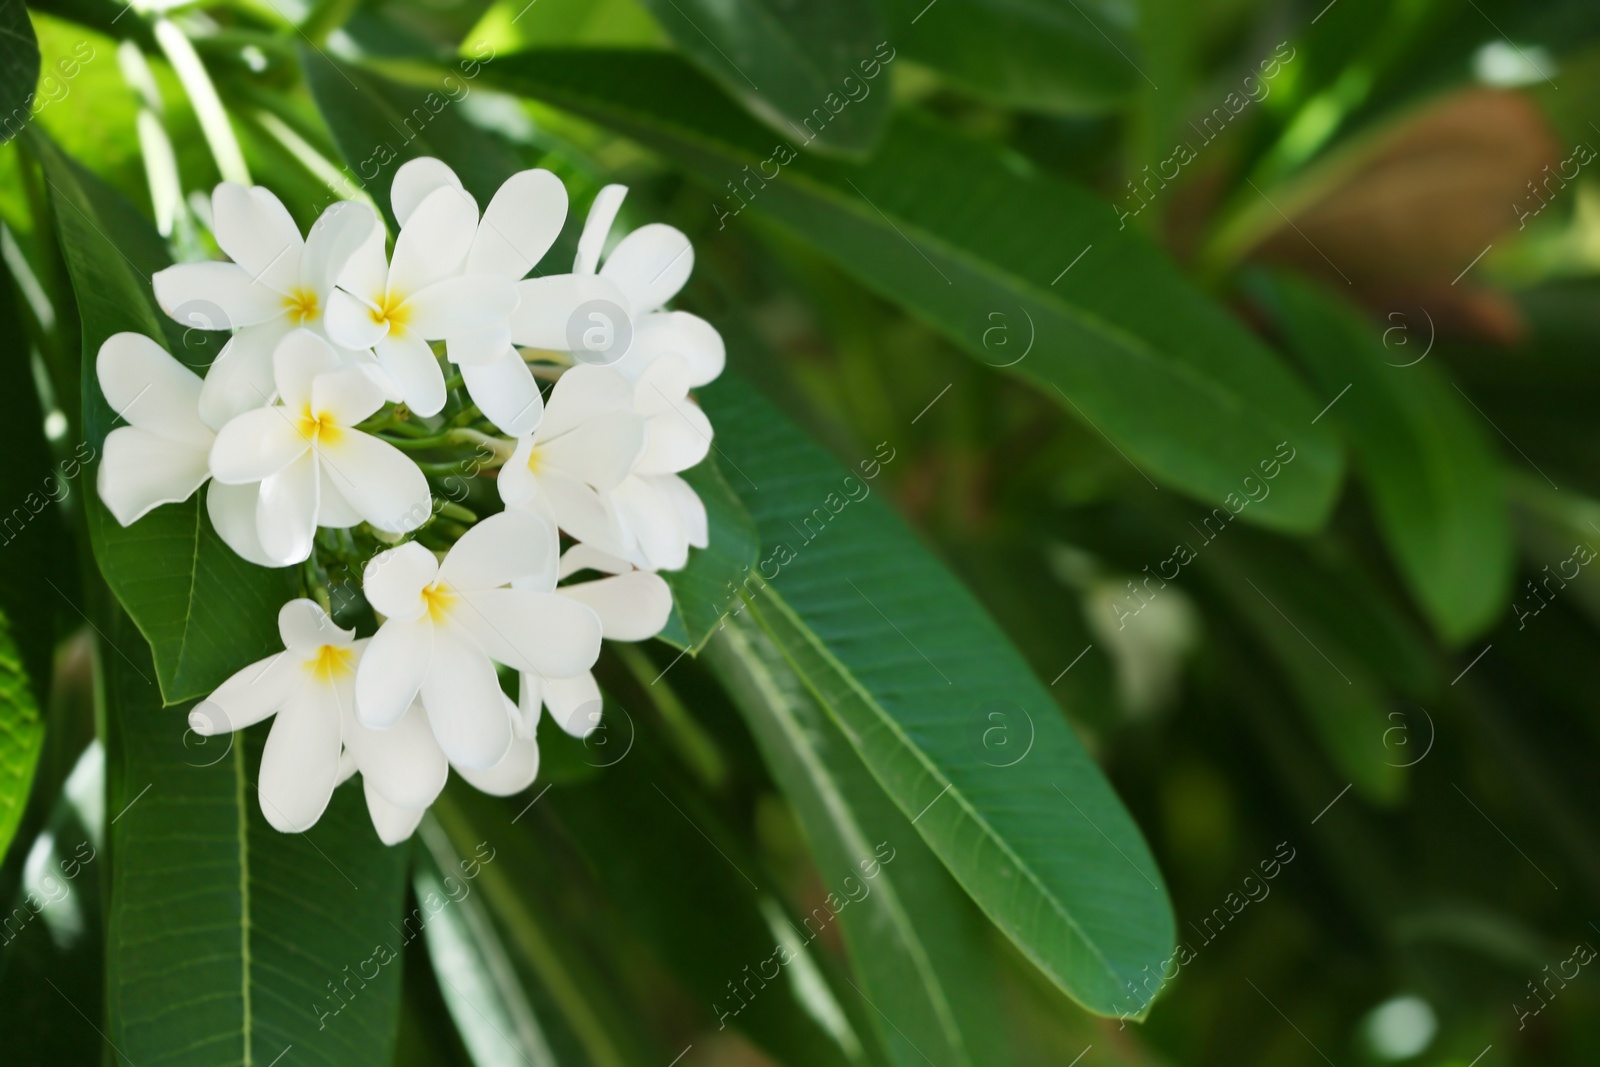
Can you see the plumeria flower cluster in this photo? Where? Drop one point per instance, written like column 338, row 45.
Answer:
column 354, row 376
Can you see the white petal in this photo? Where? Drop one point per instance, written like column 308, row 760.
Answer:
column 582, row 557
column 481, row 345
column 241, row 377
column 140, row 471
column 300, row 764
column 600, row 452
column 517, row 485
column 382, row 483
column 392, row 668
column 653, row 522
column 519, row 226
column 297, row 362
column 583, row 393
column 506, row 393
column 545, row 308
column 256, row 231
column 366, row 272
column 337, row 235
column 215, row 296
column 686, row 502
column 411, row 365
column 465, row 706
column 348, row 394
column 394, row 824
column 233, row 514
column 575, row 703
column 257, row 445
column 459, row 306
column 500, row 550
column 675, row 441
column 581, row 512
column 394, row 580
column 544, row 632
column 602, row 213
column 333, row 510
column 530, row 697
column 403, row 763
column 305, row 627
column 632, row 606
column 650, row 265
column 351, row 323
column 661, row 385
column 415, row 179
column 515, row 772
column 677, row 333
column 248, row 696
column 433, row 243
column 286, row 514
column 150, row 389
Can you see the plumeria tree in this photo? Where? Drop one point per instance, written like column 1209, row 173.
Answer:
column 637, row 532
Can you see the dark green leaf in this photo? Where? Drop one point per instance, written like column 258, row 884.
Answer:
column 917, row 945
column 990, row 255
column 21, row 736
column 228, row 941
column 810, row 61
column 205, row 611
column 19, row 67
column 1436, row 486
column 1036, row 54
column 912, row 670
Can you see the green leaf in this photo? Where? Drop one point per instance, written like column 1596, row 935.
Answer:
column 1436, row 486
column 586, row 1014
column 911, row 668
column 1035, row 54
column 21, row 736
column 916, row 944
column 205, row 611
column 989, row 254
column 710, row 924
column 704, row 589
column 810, row 61
column 379, row 124
column 477, row 980
column 19, row 67
column 228, row 941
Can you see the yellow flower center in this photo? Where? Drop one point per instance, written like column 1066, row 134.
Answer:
column 319, row 427
column 536, row 460
column 391, row 309
column 438, row 597
column 301, row 306
column 331, row 662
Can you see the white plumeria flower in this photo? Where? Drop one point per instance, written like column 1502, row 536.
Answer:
column 277, row 282
column 660, row 514
column 395, row 307
column 633, row 605
column 587, row 443
column 314, row 467
column 643, row 272
column 403, row 769
column 446, row 624
column 163, row 455
column 518, row 227
column 310, row 686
